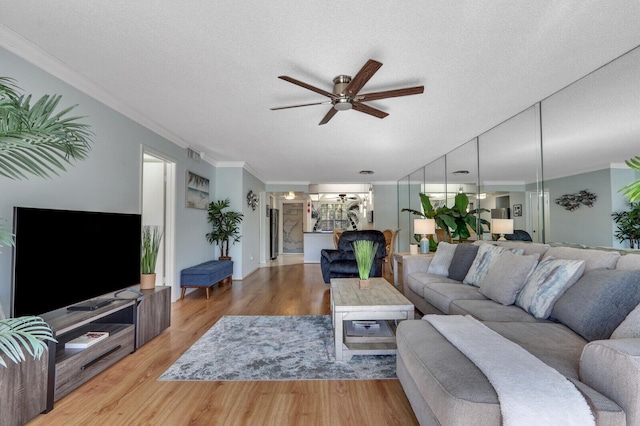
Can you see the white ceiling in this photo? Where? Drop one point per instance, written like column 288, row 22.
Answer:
column 204, row 73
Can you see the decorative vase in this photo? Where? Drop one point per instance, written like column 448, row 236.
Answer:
column 147, row 281
column 224, row 257
column 364, row 284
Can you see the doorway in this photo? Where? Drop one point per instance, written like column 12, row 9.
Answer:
column 158, row 208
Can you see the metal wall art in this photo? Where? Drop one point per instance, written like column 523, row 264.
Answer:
column 252, row 200
column 572, row 201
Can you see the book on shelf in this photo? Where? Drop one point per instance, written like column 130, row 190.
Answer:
column 368, row 329
column 86, row 340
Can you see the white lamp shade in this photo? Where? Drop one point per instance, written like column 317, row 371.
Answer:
column 502, row 226
column 424, row 226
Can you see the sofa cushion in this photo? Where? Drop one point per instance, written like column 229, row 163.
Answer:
column 551, row 278
column 598, row 302
column 488, row 310
column 507, row 276
column 442, row 294
column 527, row 247
column 630, row 326
column 629, row 262
column 442, row 259
column 487, row 256
column 462, row 260
column 594, row 259
column 418, row 280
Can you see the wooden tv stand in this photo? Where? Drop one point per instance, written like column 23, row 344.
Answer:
column 131, row 321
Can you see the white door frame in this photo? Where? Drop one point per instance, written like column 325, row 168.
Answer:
column 170, row 278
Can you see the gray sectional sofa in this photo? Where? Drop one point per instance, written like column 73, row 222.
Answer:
column 587, row 327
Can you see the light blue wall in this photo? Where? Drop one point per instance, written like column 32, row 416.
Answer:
column 589, row 226
column 252, row 225
column 385, row 204
column 109, row 180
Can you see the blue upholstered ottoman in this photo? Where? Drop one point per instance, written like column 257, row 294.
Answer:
column 206, row 275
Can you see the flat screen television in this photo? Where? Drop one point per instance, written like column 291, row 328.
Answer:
column 64, row 257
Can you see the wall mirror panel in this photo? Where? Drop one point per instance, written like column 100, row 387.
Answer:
column 403, row 222
column 511, row 174
column 557, row 167
column 589, row 129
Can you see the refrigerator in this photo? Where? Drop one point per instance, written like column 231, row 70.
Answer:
column 273, row 232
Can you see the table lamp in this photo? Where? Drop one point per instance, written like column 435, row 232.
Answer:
column 501, row 227
column 424, row 227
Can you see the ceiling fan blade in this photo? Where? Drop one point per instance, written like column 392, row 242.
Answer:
column 307, row 86
column 328, row 117
column 368, row 110
column 301, row 105
column 390, row 94
column 358, row 82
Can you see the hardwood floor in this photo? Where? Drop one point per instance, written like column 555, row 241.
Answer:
column 129, row 393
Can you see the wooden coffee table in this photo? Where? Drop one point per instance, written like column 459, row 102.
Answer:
column 381, row 302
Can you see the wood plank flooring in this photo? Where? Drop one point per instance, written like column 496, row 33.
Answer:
column 128, row 393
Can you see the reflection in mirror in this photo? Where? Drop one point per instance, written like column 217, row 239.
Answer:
column 403, row 221
column 510, row 160
column 589, row 129
column 462, row 176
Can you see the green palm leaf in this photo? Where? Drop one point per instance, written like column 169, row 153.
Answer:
column 24, row 333
column 36, row 140
column 632, row 190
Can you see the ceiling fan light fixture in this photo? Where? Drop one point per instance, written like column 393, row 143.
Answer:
column 342, row 104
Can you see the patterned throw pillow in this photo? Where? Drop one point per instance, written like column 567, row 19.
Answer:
column 440, row 263
column 486, row 257
column 548, row 282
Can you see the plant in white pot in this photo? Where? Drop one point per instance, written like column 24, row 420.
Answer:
column 151, row 238
column 365, row 252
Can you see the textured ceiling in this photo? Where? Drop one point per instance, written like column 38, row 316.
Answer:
column 204, row 73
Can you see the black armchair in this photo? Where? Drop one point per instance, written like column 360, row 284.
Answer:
column 341, row 263
column 518, row 235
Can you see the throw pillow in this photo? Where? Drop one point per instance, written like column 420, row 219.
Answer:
column 440, row 263
column 598, row 302
column 462, row 260
column 487, row 255
column 548, row 282
column 629, row 327
column 507, row 276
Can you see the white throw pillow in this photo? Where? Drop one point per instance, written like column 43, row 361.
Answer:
column 507, row 276
column 551, row 278
column 440, row 263
column 486, row 256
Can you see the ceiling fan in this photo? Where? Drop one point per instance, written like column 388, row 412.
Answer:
column 346, row 93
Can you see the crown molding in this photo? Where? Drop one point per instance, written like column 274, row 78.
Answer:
column 33, row 54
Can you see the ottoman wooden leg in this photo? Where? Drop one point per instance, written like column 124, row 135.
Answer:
column 184, row 289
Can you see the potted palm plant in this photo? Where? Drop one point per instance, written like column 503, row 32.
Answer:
column 151, row 238
column 225, row 226
column 453, row 221
column 34, row 140
column 365, row 252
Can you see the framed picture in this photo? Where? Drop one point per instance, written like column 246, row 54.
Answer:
column 517, row 209
column 197, row 191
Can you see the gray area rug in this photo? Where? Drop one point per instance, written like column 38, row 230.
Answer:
column 252, row 348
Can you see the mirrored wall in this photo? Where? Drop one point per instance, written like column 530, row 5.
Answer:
column 555, row 168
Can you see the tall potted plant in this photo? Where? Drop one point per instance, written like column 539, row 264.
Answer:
column 34, row 140
column 628, row 225
column 151, row 238
column 225, row 226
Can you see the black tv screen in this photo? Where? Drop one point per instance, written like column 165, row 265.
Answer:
column 64, row 257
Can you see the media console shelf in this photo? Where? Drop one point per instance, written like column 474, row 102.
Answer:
column 131, row 321
column 73, row 367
